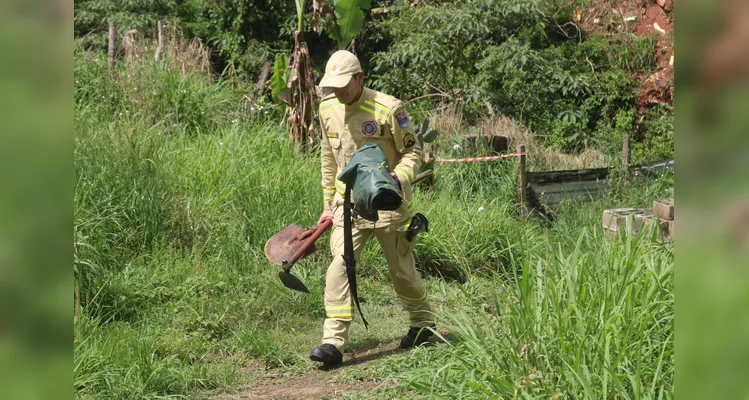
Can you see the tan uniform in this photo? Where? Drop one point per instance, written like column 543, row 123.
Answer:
column 380, row 119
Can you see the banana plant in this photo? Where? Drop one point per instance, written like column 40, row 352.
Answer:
column 279, row 81
column 349, row 19
column 293, row 85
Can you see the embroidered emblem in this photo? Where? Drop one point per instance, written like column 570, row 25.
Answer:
column 368, row 128
column 402, row 119
column 334, row 67
column 332, row 134
column 409, row 140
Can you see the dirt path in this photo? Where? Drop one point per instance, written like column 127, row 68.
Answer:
column 317, row 382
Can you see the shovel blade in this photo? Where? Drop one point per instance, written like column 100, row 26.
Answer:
column 286, row 242
column 292, row 282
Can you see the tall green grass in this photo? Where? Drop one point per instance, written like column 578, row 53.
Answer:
column 175, row 199
column 587, row 319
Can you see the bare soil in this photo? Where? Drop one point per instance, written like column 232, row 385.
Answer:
column 642, row 18
column 317, row 382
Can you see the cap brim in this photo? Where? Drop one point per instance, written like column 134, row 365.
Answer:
column 335, row 81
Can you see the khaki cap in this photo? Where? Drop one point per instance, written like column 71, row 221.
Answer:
column 341, row 66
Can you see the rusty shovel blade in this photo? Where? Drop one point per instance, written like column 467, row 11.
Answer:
column 289, row 246
column 292, row 282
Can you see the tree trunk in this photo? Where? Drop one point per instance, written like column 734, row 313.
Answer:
column 302, row 86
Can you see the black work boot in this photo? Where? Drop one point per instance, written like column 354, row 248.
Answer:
column 326, row 353
column 416, row 337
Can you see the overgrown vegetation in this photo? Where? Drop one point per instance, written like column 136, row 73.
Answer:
column 530, row 59
column 177, row 189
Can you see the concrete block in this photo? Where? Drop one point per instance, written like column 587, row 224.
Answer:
column 646, row 219
column 664, row 209
column 631, row 221
column 614, row 218
column 671, row 229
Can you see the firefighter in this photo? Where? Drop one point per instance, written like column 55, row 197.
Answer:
column 350, row 117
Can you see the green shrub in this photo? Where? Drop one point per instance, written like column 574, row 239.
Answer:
column 658, row 141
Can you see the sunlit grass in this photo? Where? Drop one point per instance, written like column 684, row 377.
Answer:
column 172, row 212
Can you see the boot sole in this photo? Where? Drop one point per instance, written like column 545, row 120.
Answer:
column 317, row 358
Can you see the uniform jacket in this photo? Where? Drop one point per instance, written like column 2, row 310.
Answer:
column 375, row 118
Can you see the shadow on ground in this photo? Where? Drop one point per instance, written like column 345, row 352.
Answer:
column 375, row 349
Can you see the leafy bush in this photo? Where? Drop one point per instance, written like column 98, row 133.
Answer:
column 441, row 54
column 571, row 88
column 658, row 140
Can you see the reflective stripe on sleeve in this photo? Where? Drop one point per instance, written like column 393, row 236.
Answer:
column 405, row 172
column 340, row 187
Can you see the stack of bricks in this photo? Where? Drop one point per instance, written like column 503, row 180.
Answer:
column 634, row 220
column 664, row 210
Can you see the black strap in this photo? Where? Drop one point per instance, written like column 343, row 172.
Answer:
column 348, row 252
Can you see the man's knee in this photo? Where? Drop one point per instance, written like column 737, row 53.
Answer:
column 336, row 282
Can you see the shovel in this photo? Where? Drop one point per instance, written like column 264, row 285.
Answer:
column 290, row 245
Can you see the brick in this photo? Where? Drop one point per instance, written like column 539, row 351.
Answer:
column 664, row 209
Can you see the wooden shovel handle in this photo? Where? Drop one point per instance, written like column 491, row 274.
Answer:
column 300, row 252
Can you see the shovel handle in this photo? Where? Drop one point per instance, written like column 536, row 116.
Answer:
column 300, row 252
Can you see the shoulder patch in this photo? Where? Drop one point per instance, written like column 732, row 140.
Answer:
column 369, row 128
column 409, row 140
column 402, row 118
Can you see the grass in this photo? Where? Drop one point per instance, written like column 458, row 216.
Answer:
column 172, row 210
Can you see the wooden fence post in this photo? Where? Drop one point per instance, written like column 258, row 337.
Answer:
column 112, row 47
column 625, row 160
column 522, row 178
column 160, row 32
